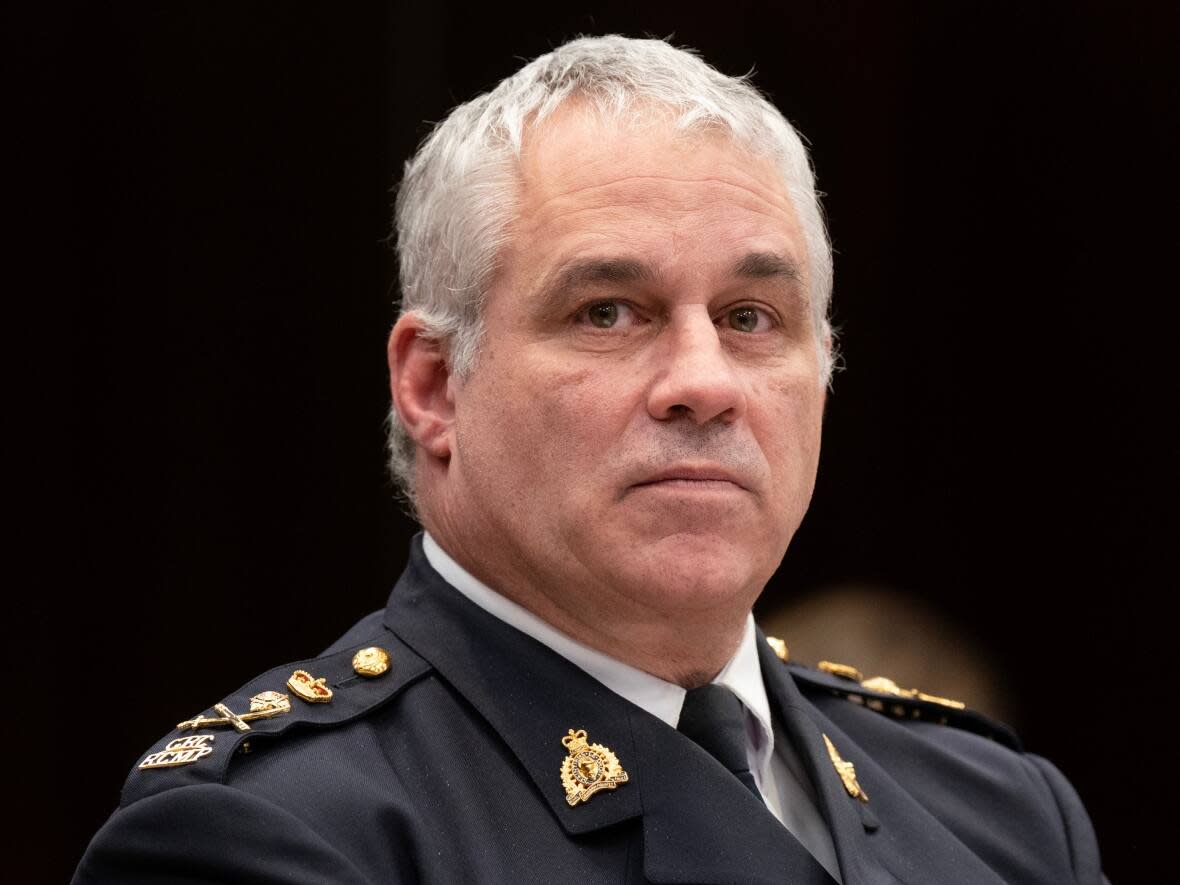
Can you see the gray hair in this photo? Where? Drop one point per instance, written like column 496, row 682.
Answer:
column 457, row 198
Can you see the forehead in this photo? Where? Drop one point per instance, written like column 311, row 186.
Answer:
column 643, row 185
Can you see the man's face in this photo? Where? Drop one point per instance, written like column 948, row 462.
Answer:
column 642, row 426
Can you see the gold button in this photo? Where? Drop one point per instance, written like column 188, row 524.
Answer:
column 780, row 647
column 371, row 661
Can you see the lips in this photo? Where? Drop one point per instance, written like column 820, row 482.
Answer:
column 690, row 475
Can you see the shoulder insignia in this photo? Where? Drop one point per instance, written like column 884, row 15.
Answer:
column 263, row 705
column 308, row 688
column 256, row 715
column 883, row 695
column 846, row 670
column 884, row 685
column 181, row 751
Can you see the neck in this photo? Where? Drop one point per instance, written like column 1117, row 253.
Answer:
column 684, row 652
column 684, row 648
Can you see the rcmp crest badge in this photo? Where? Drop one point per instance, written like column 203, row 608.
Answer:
column 588, row 768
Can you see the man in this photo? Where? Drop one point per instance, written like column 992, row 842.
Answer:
column 608, row 380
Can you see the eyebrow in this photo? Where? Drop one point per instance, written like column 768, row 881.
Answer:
column 603, row 270
column 766, row 265
column 590, row 272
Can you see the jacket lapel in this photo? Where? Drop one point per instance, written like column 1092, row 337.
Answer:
column 700, row 824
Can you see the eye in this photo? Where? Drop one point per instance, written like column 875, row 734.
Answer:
column 747, row 319
column 607, row 314
column 603, row 315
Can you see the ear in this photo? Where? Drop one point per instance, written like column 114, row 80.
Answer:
column 419, row 382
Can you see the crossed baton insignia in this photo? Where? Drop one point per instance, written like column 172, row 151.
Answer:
column 262, row 706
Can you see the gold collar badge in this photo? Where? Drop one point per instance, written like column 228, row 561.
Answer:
column 847, row 772
column 262, row 706
column 588, row 768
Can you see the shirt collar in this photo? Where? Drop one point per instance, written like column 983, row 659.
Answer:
column 742, row 675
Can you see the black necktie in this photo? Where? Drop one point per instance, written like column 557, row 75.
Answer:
column 712, row 716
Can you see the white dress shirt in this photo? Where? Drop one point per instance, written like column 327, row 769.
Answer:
column 774, row 764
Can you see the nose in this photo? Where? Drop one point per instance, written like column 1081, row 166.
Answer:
column 696, row 378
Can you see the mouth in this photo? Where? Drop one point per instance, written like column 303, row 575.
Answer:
column 692, row 478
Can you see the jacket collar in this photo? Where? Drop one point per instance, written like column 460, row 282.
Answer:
column 699, row 823
column 530, row 696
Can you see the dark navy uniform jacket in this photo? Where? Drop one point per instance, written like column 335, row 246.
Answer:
column 446, row 769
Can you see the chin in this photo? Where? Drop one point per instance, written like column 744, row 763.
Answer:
column 693, row 571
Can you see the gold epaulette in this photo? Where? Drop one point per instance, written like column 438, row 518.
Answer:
column 883, row 685
column 882, row 695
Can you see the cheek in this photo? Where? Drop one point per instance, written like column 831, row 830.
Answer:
column 554, row 423
column 583, row 416
column 792, row 430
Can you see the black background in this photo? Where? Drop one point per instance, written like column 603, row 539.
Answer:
column 994, row 186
